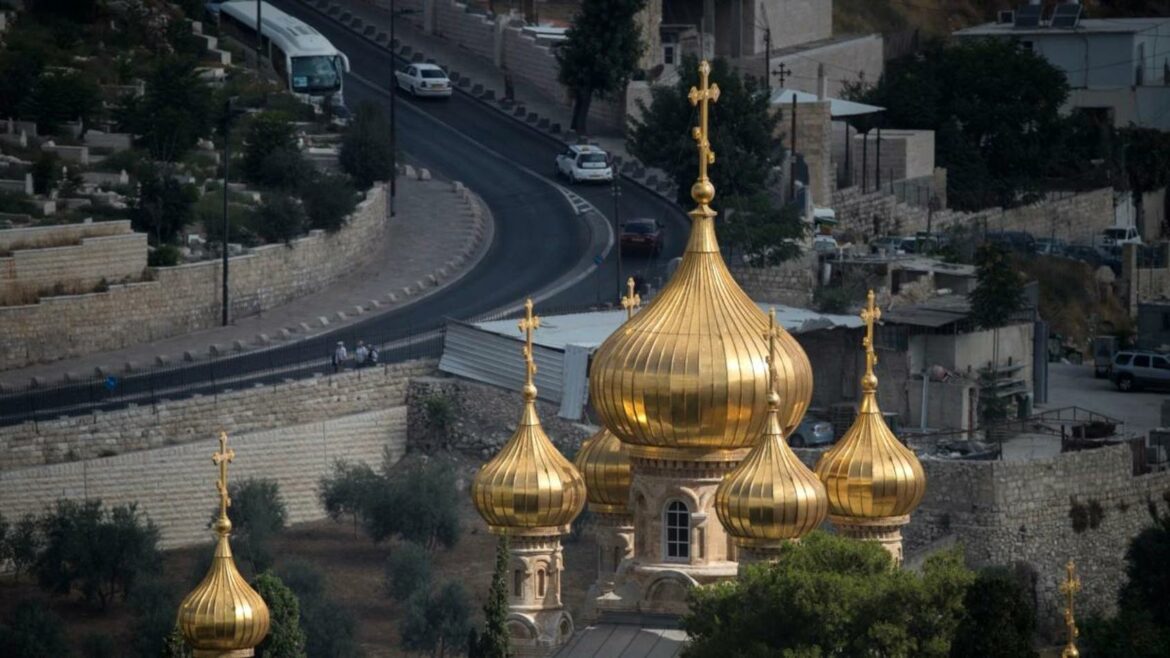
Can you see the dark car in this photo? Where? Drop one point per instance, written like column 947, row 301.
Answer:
column 1018, row 241
column 642, row 235
column 1094, row 257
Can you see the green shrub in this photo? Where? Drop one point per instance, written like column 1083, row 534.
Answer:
column 997, row 619
column 328, row 201
column 24, row 543
column 304, row 579
column 408, row 570
column 436, row 622
column 416, row 502
column 266, row 132
column 258, row 514
column 331, row 630
column 46, row 171
column 166, row 255
column 285, row 637
column 280, row 219
column 366, row 151
column 347, row 490
column 33, row 631
column 154, row 602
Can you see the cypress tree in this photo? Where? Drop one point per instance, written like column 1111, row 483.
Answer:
column 494, row 643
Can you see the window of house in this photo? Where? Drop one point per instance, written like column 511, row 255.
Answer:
column 678, row 531
column 518, row 582
column 540, row 584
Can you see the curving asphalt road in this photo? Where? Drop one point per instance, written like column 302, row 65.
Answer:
column 538, row 241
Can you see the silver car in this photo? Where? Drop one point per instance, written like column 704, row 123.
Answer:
column 1132, row 370
column 812, row 432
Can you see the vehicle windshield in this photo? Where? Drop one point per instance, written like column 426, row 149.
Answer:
column 315, row 75
column 432, row 74
column 591, row 160
column 641, row 228
column 1115, row 233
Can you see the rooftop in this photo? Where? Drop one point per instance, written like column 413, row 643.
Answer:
column 1084, row 26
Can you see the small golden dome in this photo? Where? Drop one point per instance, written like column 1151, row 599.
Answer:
column 529, row 485
column 869, row 473
column 223, row 615
column 771, row 495
column 688, row 371
column 606, row 468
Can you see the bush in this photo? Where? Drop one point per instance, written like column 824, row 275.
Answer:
column 166, row 255
column 997, row 618
column 367, row 153
column 303, row 579
column 59, row 97
column 19, row 204
column 408, row 570
column 330, row 630
column 209, row 213
column 280, row 219
column 174, row 113
column 46, row 171
column 436, row 622
column 418, row 504
column 24, row 544
column 347, row 490
column 154, row 602
column 162, row 208
column 285, row 637
column 33, row 631
column 100, row 552
column 258, row 514
column 267, row 132
column 284, row 168
column 328, row 201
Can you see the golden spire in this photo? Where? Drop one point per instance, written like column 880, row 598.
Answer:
column 223, row 616
column 685, row 377
column 1070, row 587
column 529, row 486
column 869, row 473
column 771, row 495
column 632, row 300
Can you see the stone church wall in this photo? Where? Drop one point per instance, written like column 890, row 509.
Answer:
column 186, row 298
column 175, row 486
column 198, row 417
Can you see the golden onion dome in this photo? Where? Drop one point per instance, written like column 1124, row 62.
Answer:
column 869, row 473
column 688, row 371
column 529, row 485
column 606, row 469
column 223, row 615
column 770, row 495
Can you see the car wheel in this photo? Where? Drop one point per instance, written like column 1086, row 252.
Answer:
column 797, row 441
column 413, row 91
column 1125, row 383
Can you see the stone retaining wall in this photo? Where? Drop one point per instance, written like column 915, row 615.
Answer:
column 191, row 419
column 186, row 298
column 75, row 267
column 790, row 283
column 174, row 486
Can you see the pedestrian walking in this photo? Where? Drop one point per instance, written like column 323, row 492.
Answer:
column 373, row 358
column 339, row 356
column 360, row 354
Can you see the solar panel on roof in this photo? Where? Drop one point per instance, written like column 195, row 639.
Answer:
column 1066, row 15
column 1028, row 16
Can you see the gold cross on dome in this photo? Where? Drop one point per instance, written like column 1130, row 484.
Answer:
column 1069, row 588
column 529, row 324
column 869, row 315
column 702, row 96
column 222, row 459
column 772, row 334
column 632, row 299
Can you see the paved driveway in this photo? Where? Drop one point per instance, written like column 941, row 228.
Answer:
column 1074, row 385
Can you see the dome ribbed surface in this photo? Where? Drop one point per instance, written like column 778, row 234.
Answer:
column 223, row 613
column 529, row 484
column 771, row 495
column 606, row 469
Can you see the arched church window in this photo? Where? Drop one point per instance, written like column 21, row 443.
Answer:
column 540, row 586
column 518, row 582
column 678, row 531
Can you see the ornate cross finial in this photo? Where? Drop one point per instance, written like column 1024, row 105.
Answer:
column 1069, row 588
column 772, row 334
column 703, row 96
column 869, row 315
column 529, row 324
column 632, row 299
column 222, row 459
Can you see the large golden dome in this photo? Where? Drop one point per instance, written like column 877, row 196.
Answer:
column 606, row 468
column 529, row 486
column 771, row 495
column 688, row 371
column 223, row 615
column 869, row 473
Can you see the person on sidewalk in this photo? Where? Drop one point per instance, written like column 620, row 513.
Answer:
column 373, row 358
column 339, row 356
column 360, row 354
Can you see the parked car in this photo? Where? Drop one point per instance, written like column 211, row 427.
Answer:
column 824, row 243
column 1132, row 370
column 421, row 79
column 812, row 432
column 584, row 162
column 1115, row 236
column 1094, row 257
column 890, row 244
column 1018, row 241
column 1051, row 247
column 642, row 235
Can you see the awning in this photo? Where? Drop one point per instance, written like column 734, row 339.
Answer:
column 838, row 107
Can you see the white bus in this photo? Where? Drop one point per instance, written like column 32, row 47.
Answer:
column 306, row 62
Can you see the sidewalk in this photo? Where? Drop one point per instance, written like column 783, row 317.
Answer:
column 440, row 232
column 483, row 81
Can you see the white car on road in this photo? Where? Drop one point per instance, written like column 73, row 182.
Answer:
column 584, row 162
column 423, row 80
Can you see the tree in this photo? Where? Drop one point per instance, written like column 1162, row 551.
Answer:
column 280, row 219
column 763, row 232
column 101, row 552
column 59, row 97
column 46, row 171
column 367, row 153
column 176, row 646
column 33, row 631
column 495, row 642
column 328, row 201
column 347, row 490
column 174, row 112
column 999, row 288
column 285, row 637
column 258, row 514
column 831, row 596
column 600, row 53
column 408, row 570
column 330, row 630
column 417, row 503
column 153, row 601
column 162, row 207
column 24, row 544
column 997, row 621
column 1004, row 102
column 743, row 133
column 267, row 133
column 436, row 622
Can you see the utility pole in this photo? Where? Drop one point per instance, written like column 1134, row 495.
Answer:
column 877, row 166
column 792, row 165
column 617, row 224
column 227, row 123
column 259, row 36
column 768, row 60
column 393, row 107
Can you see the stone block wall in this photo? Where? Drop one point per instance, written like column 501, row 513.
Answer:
column 864, row 215
column 82, row 266
column 195, row 418
column 790, row 283
column 39, row 237
column 175, row 487
column 814, row 141
column 186, row 298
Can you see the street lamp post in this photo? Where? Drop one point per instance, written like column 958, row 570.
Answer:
column 617, row 228
column 229, row 109
column 393, row 107
column 259, row 35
